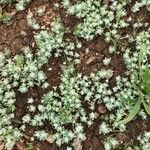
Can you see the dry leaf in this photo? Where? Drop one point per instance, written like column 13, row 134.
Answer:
column 2, row 146
column 92, row 60
column 20, row 145
column 50, row 139
column 30, row 13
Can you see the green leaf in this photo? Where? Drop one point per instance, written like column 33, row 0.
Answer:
column 132, row 113
column 145, row 80
column 146, row 107
column 146, row 75
column 141, row 57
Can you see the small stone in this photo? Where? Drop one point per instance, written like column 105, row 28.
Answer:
column 43, row 27
column 102, row 110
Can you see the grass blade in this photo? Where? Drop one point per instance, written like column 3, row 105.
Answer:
column 133, row 113
column 146, row 107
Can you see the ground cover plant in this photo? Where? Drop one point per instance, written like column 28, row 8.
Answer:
column 74, row 74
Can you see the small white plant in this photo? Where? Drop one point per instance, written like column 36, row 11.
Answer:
column 144, row 140
column 104, row 128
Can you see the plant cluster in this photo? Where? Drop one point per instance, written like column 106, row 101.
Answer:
column 47, row 42
column 66, row 107
column 98, row 19
column 24, row 71
column 5, row 18
column 63, row 107
column 20, row 5
column 140, row 74
column 110, row 143
column 132, row 91
column 136, row 7
column 144, row 140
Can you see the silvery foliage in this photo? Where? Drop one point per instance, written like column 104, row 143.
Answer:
column 64, row 103
column 125, row 94
column 22, row 71
column 98, row 19
column 8, row 133
column 55, row 41
column 110, row 143
column 144, row 140
column 21, row 4
column 139, row 4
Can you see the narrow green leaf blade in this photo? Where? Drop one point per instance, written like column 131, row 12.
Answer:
column 146, row 107
column 132, row 113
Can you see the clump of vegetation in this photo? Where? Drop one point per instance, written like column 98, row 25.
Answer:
column 144, row 140
column 110, row 143
column 66, row 107
column 5, row 18
column 110, row 20
column 141, row 75
column 20, row 5
column 70, row 107
column 24, row 71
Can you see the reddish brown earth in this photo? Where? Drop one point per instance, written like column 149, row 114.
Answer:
column 11, row 38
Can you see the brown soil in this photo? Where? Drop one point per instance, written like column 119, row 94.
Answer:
column 11, row 38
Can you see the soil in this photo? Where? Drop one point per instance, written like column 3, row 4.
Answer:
column 11, row 38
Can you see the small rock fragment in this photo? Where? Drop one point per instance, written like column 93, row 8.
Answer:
column 102, row 109
column 50, row 139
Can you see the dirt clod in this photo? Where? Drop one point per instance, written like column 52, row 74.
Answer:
column 121, row 137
